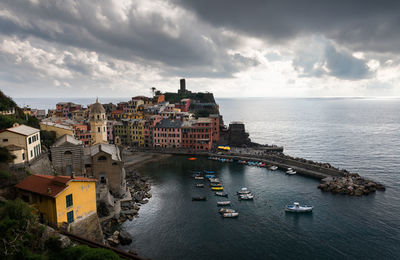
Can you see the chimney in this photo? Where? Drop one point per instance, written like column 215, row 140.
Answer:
column 49, row 191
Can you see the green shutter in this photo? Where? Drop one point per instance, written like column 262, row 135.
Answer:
column 68, row 198
column 70, row 216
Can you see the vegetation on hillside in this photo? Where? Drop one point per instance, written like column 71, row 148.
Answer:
column 199, row 97
column 48, row 138
column 22, row 238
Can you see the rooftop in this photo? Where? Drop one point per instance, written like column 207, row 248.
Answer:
column 107, row 148
column 66, row 139
column 166, row 123
column 23, row 130
column 48, row 185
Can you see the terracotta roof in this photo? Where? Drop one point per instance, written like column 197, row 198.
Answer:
column 47, row 185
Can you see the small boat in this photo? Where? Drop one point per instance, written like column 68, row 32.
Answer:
column 208, row 176
column 273, row 168
column 297, row 208
column 246, row 196
column 201, row 198
column 291, row 171
column 226, row 210
column 214, row 180
column 200, row 185
column 221, row 194
column 244, row 190
column 223, row 203
column 217, row 188
column 192, row 159
column 231, row 215
column 214, row 184
column 199, row 177
column 262, row 165
column 209, row 172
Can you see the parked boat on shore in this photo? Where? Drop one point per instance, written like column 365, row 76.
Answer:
column 273, row 168
column 296, row 207
column 221, row 194
column 199, row 198
column 223, row 203
column 290, row 171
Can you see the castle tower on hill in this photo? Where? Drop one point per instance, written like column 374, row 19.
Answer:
column 98, row 123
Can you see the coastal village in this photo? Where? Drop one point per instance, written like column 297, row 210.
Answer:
column 78, row 168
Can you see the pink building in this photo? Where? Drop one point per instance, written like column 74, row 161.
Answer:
column 197, row 135
column 184, row 104
column 167, row 134
column 82, row 133
column 216, row 121
column 149, row 128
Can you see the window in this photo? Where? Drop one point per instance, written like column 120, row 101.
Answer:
column 31, row 153
column 29, row 140
column 70, row 216
column 5, row 140
column 23, row 156
column 68, row 198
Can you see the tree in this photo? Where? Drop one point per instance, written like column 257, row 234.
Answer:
column 153, row 90
column 48, row 138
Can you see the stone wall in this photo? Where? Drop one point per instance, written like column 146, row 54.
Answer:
column 68, row 154
column 42, row 165
column 88, row 227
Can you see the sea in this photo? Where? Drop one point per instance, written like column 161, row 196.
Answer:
column 358, row 134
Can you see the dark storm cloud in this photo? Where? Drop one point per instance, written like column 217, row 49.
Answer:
column 153, row 37
column 363, row 25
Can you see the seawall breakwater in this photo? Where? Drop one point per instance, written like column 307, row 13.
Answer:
column 332, row 179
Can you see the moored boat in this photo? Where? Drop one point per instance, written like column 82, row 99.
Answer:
column 246, row 196
column 209, row 172
column 200, row 185
column 199, row 198
column 221, row 194
column 291, row 171
column 226, row 210
column 231, row 215
column 217, row 188
column 243, row 190
column 296, row 207
column 214, row 184
column 214, row 180
column 199, row 177
column 223, row 203
column 208, row 176
column 273, row 168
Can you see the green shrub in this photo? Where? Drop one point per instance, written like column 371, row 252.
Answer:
column 87, row 253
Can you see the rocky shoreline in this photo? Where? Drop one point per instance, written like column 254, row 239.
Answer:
column 351, row 184
column 139, row 188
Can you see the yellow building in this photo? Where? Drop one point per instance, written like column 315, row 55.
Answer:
column 130, row 132
column 59, row 199
column 60, row 129
column 25, row 137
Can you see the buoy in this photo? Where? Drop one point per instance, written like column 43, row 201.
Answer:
column 192, row 159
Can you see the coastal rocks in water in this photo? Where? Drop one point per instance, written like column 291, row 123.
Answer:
column 124, row 238
column 350, row 184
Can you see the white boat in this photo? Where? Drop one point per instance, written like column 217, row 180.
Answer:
column 225, row 210
column 223, row 203
column 200, row 185
column 291, row 171
column 243, row 190
column 296, row 207
column 214, row 180
column 231, row 215
column 273, row 168
column 246, row 196
column 199, row 177
column 222, row 194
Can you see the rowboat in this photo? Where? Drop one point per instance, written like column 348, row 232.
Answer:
column 221, row 194
column 226, row 210
column 223, row 203
column 231, row 215
column 199, row 198
column 297, row 208
column 217, row 188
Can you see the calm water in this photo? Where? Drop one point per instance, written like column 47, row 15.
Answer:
column 361, row 135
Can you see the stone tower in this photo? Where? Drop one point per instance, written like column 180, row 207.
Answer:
column 98, row 123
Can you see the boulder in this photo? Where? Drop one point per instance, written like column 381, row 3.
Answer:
column 358, row 192
column 124, row 238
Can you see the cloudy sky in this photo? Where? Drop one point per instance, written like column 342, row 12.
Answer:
column 234, row 48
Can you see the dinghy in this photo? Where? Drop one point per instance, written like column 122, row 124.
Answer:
column 296, row 207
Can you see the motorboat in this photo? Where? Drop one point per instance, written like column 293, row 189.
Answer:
column 291, row 171
column 226, row 210
column 208, row 176
column 199, row 177
column 217, row 188
column 214, row 180
column 231, row 215
column 273, row 168
column 214, row 184
column 296, row 207
column 200, row 198
column 209, row 172
column 223, row 203
column 200, row 185
column 243, row 190
column 221, row 194
column 246, row 196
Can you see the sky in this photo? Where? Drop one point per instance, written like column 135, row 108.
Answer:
column 233, row 48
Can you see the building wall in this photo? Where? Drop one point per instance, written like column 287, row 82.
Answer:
column 59, row 131
column 19, row 154
column 83, row 197
column 45, row 205
column 32, row 149
column 167, row 137
column 61, row 157
column 110, row 169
